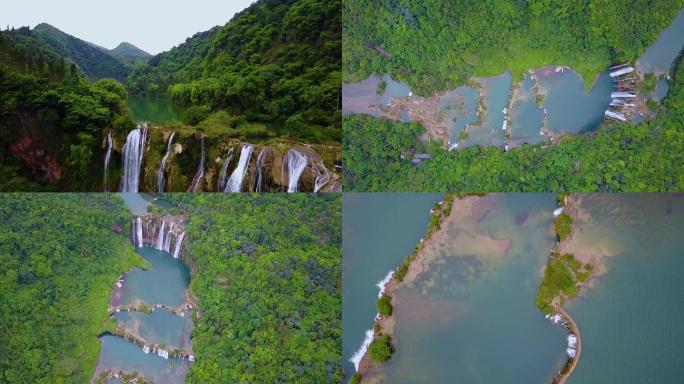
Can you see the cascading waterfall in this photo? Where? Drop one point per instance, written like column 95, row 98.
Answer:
column 296, row 162
column 139, row 231
column 133, row 152
column 322, row 176
column 224, row 171
column 167, row 239
column 259, row 179
column 234, row 184
column 179, row 242
column 200, row 170
column 108, row 157
column 160, row 237
column 358, row 355
column 160, row 173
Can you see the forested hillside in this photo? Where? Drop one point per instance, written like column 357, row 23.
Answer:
column 59, row 258
column 129, row 54
column 277, row 61
column 266, row 270
column 621, row 157
column 51, row 117
column 94, row 62
column 437, row 44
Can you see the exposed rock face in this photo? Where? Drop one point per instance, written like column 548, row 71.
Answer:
column 36, row 158
column 265, row 171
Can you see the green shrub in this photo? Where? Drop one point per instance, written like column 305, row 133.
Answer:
column 563, row 226
column 381, row 349
column 195, row 114
column 384, row 305
column 381, row 87
column 356, row 379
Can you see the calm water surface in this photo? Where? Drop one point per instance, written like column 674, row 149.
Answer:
column 658, row 57
column 154, row 110
column 631, row 320
column 380, row 230
column 472, row 319
column 526, row 115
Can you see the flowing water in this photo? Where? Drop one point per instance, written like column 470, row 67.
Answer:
column 108, row 157
column 133, row 152
column 569, row 108
column 380, row 229
column 161, row 181
column 154, row 109
column 662, row 87
column 295, row 162
column 489, row 132
column 631, row 319
column 526, row 115
column 194, row 186
column 165, row 284
column 234, row 184
column 223, row 178
column 658, row 57
column 260, row 169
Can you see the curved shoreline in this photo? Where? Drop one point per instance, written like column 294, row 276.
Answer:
column 570, row 365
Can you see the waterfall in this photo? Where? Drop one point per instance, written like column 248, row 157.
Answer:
column 200, row 170
column 259, row 179
column 132, row 158
column 138, row 231
column 160, row 237
column 224, row 170
column 167, row 240
column 296, row 162
column 234, row 184
column 160, row 173
column 179, row 242
column 358, row 355
column 108, row 157
column 322, row 176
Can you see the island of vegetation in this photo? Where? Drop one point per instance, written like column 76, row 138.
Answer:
column 436, row 46
column 270, row 78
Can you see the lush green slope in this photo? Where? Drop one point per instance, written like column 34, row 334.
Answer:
column 58, row 261
column 94, row 62
column 267, row 273
column 51, row 118
column 277, row 61
column 644, row 157
column 437, row 44
column 129, row 54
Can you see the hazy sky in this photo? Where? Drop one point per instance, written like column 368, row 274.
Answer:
column 152, row 25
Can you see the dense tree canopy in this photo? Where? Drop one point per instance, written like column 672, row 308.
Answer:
column 52, row 116
column 267, row 273
column 59, row 258
column 277, row 61
column 437, row 44
column 618, row 157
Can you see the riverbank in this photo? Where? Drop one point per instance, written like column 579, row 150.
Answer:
column 438, row 234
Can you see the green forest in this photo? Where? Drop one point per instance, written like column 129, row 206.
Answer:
column 267, row 275
column 278, row 61
column 60, row 254
column 617, row 157
column 272, row 71
column 435, row 45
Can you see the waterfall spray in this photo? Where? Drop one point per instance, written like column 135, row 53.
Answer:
column 139, row 231
column 234, row 184
column 160, row 173
column 296, row 162
column 167, row 238
column 322, row 176
column 260, row 169
column 108, row 157
column 160, row 236
column 194, row 186
column 133, row 152
column 224, row 171
column 179, row 242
